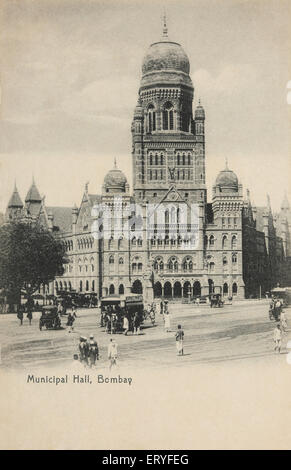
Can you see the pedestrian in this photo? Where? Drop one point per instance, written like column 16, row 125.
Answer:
column 70, row 322
column 278, row 338
column 74, row 311
column 167, row 322
column 198, row 301
column 93, row 351
column 112, row 353
column 179, row 341
column 29, row 316
column 283, row 321
column 20, row 315
column 162, row 307
column 136, row 324
column 125, row 325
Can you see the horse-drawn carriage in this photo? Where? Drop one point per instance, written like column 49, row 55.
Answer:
column 50, row 318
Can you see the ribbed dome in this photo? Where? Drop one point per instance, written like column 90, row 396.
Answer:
column 227, row 179
column 115, row 180
column 165, row 55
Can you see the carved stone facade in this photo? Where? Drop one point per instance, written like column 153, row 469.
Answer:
column 235, row 249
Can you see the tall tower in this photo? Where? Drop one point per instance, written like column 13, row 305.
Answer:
column 168, row 143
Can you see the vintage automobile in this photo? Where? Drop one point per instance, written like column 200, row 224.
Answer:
column 216, row 301
column 50, row 318
column 115, row 307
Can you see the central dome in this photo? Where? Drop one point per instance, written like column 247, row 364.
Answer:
column 165, row 55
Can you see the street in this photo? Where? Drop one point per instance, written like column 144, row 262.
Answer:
column 237, row 332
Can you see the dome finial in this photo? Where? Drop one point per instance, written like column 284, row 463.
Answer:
column 226, row 163
column 165, row 27
column 115, row 164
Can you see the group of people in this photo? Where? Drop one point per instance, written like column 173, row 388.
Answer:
column 89, row 352
column 25, row 308
column 115, row 321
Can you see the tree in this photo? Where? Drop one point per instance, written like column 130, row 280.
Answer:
column 30, row 256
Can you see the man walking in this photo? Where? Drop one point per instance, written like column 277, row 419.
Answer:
column 93, row 351
column 20, row 315
column 179, row 341
column 278, row 338
column 112, row 353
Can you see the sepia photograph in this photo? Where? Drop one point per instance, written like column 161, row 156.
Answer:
column 145, row 227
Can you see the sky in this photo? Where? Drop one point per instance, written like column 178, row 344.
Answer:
column 69, row 78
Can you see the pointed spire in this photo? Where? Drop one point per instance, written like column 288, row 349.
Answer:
column 15, row 200
column 33, row 193
column 226, row 164
column 285, row 203
column 165, row 27
column 115, row 164
column 268, row 202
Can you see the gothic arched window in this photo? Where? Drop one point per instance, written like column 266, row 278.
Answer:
column 168, row 117
column 151, row 118
column 234, row 242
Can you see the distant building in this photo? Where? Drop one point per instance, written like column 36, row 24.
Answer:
column 240, row 250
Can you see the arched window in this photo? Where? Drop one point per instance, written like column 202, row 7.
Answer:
column 225, row 288
column 188, row 264
column 224, row 260
column 87, row 286
column 134, row 267
column 168, row 117
column 173, row 265
column 81, row 286
column 234, row 242
column 111, row 259
column 224, row 241
column 159, row 265
column 133, row 241
column 234, row 288
column 234, row 258
column 120, row 243
column 139, row 267
column 111, row 289
column 151, row 118
column 121, row 289
column 211, row 240
column 211, row 267
column 93, row 286
column 121, row 261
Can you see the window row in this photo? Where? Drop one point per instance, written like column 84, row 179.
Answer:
column 184, row 159
column 173, row 265
column 209, row 242
column 156, row 159
column 85, row 243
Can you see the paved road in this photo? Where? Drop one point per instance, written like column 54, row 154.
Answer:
column 236, row 332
